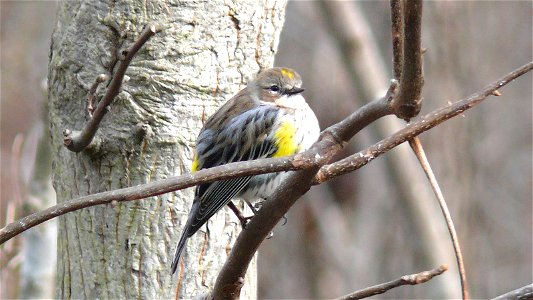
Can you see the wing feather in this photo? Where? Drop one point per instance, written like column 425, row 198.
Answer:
column 252, row 128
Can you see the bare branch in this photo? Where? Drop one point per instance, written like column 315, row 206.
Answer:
column 412, row 279
column 407, row 104
column 397, row 38
column 155, row 188
column 91, row 95
column 77, row 141
column 523, row 293
column 356, row 161
column 421, row 155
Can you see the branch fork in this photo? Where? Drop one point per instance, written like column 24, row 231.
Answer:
column 76, row 141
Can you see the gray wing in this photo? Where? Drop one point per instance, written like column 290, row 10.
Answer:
column 245, row 138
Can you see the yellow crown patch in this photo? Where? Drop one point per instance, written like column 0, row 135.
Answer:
column 288, row 73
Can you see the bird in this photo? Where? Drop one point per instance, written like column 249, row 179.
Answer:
column 268, row 118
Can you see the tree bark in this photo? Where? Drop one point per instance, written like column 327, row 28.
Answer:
column 206, row 51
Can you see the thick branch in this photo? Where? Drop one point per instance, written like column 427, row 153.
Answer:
column 356, row 161
column 407, row 104
column 412, row 279
column 77, row 141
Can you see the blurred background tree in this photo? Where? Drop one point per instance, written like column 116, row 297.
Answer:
column 359, row 229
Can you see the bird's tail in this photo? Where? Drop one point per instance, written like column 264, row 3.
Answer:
column 188, row 231
column 179, row 250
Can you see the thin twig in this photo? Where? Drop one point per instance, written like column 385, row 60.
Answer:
column 77, row 141
column 422, row 158
column 408, row 103
column 91, row 95
column 412, row 279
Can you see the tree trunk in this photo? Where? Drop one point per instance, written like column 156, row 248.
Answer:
column 206, row 51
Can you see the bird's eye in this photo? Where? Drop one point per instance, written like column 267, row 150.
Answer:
column 274, row 88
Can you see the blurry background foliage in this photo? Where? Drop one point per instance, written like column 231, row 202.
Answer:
column 355, row 231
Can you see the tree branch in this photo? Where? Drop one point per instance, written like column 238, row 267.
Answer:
column 408, row 103
column 356, row 161
column 77, row 141
column 412, row 279
column 362, row 117
column 523, row 293
column 156, row 188
column 397, row 38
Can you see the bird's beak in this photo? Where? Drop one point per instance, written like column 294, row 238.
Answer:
column 294, row 91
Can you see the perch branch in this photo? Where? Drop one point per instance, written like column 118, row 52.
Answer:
column 365, row 115
column 262, row 166
column 412, row 279
column 77, row 141
column 156, row 188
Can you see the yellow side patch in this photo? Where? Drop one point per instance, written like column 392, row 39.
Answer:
column 194, row 166
column 284, row 140
column 288, row 73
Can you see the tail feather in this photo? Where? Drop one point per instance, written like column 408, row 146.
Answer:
column 185, row 235
column 181, row 246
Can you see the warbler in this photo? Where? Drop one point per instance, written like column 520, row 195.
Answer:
column 268, row 118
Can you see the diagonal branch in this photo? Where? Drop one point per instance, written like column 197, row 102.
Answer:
column 77, row 141
column 412, row 279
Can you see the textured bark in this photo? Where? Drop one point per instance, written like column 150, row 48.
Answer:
column 206, row 51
